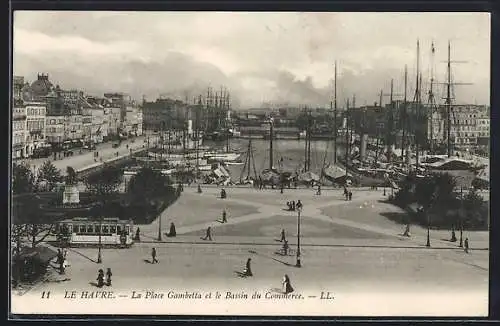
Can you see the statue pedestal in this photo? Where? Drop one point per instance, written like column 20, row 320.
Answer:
column 71, row 195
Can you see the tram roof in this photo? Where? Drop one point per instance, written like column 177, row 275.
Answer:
column 93, row 220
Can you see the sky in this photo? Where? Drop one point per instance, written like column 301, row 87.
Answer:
column 261, row 58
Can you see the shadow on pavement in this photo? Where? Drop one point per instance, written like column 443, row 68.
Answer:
column 84, row 256
column 269, row 257
column 147, row 261
column 240, row 274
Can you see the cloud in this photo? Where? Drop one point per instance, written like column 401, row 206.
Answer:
column 272, row 57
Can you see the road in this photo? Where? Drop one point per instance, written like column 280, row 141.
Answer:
column 79, row 161
column 361, row 279
column 348, row 249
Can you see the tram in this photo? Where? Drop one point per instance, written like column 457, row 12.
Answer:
column 109, row 232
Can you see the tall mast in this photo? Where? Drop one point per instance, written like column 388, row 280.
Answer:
column 226, row 117
column 403, row 116
column 309, row 125
column 432, row 102
column 271, row 122
column 347, row 136
column 335, row 117
column 448, row 103
column 418, row 100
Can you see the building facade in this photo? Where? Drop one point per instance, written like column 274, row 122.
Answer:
column 55, row 126
column 35, row 126
column 18, row 132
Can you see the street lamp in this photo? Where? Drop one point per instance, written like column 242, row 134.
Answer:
column 428, row 244
column 99, row 254
column 298, row 264
column 461, row 216
column 159, row 227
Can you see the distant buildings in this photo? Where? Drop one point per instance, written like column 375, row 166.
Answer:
column 47, row 115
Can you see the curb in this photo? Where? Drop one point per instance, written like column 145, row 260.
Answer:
column 309, row 245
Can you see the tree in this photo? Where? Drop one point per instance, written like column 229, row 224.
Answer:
column 104, row 182
column 23, row 179
column 148, row 184
column 49, row 174
column 476, row 212
column 71, row 177
column 445, row 186
column 27, row 220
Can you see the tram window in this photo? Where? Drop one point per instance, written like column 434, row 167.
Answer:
column 118, row 229
column 90, row 228
column 82, row 228
column 97, row 229
column 104, row 229
column 127, row 229
column 112, row 229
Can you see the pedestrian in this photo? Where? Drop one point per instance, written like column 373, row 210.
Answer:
column 287, row 285
column 281, row 188
column 319, row 190
column 223, row 193
column 172, row 232
column 61, row 266
column 346, row 193
column 224, row 216
column 100, row 278
column 407, row 231
column 282, row 235
column 289, row 205
column 108, row 277
column 285, row 248
column 466, row 245
column 293, row 205
column 248, row 269
column 208, row 235
column 299, row 205
column 350, row 195
column 199, row 189
column 153, row 255
column 59, row 256
column 137, row 235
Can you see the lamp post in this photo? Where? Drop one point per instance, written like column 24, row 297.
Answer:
column 461, row 217
column 298, row 264
column 159, row 227
column 99, row 254
column 428, row 244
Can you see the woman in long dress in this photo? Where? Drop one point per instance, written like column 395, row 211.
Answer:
column 248, row 270
column 287, row 286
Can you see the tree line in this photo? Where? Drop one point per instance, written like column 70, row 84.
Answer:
column 148, row 192
column 441, row 203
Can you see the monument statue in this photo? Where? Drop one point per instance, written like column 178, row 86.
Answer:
column 71, row 195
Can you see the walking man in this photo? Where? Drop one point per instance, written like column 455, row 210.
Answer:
column 319, row 190
column 153, row 255
column 208, row 235
column 282, row 235
column 466, row 245
column 299, row 205
column 224, row 216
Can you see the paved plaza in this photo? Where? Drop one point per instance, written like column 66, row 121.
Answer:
column 347, row 247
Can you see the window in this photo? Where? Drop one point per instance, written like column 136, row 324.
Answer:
column 90, row 228
column 97, row 228
column 119, row 229
column 112, row 229
column 105, row 229
column 81, row 229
